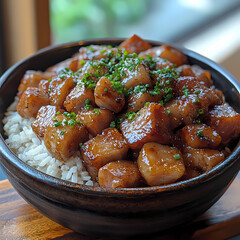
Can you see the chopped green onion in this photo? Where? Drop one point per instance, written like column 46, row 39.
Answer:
column 177, row 156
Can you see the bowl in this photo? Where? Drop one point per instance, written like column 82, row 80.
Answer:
column 115, row 212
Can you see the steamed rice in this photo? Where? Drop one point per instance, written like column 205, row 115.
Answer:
column 30, row 149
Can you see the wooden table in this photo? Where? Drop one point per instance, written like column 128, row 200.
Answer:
column 18, row 220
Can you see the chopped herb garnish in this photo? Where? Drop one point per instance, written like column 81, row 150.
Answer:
column 62, row 132
column 196, row 100
column 113, row 124
column 82, row 62
column 168, row 112
column 88, row 104
column 71, row 123
column 200, row 111
column 141, row 88
column 177, row 156
column 81, row 145
column 197, row 91
column 130, row 115
column 168, row 82
column 147, row 104
column 57, row 124
column 185, row 91
column 200, row 134
column 96, row 111
column 105, row 89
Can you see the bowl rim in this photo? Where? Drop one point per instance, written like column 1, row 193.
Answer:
column 8, row 154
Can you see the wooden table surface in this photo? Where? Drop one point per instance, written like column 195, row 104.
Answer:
column 20, row 221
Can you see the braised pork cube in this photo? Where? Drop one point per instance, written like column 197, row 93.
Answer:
column 203, row 76
column 151, row 123
column 96, row 52
column 62, row 139
column 137, row 100
column 226, row 121
column 78, row 98
column 205, row 96
column 208, row 98
column 107, row 96
column 202, row 159
column 160, row 164
column 182, row 110
column 31, row 101
column 60, row 87
column 102, row 149
column 119, row 174
column 44, row 86
column 70, row 63
column 188, row 85
column 185, row 70
column 162, row 63
column 32, row 79
column 91, row 71
column 135, row 76
column 167, row 52
column 199, row 136
column 135, row 44
column 44, row 119
column 188, row 107
column 96, row 119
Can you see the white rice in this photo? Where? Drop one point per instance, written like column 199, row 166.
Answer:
column 30, row 149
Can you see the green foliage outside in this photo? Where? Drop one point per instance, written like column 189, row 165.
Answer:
column 81, row 19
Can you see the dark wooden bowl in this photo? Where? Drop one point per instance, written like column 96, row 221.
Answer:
column 115, row 212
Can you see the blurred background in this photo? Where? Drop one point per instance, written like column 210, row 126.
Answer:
column 209, row 27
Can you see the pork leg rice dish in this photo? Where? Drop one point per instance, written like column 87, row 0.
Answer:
column 122, row 116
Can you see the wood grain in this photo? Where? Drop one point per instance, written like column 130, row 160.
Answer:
column 19, row 221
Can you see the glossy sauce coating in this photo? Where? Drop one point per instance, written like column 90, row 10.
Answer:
column 135, row 113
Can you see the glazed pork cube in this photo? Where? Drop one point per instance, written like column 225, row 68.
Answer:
column 199, row 136
column 31, row 101
column 59, row 88
column 135, row 44
column 96, row 119
column 44, row 119
column 62, row 139
column 135, row 76
column 188, row 85
column 78, row 97
column 137, row 100
column 203, row 76
column 107, row 96
column 96, row 52
column 70, row 63
column 151, row 123
column 202, row 159
column 172, row 54
column 226, row 121
column 207, row 98
column 91, row 70
column 162, row 63
column 160, row 164
column 44, row 86
column 187, row 108
column 181, row 110
column 119, row 174
column 102, row 149
column 32, row 79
